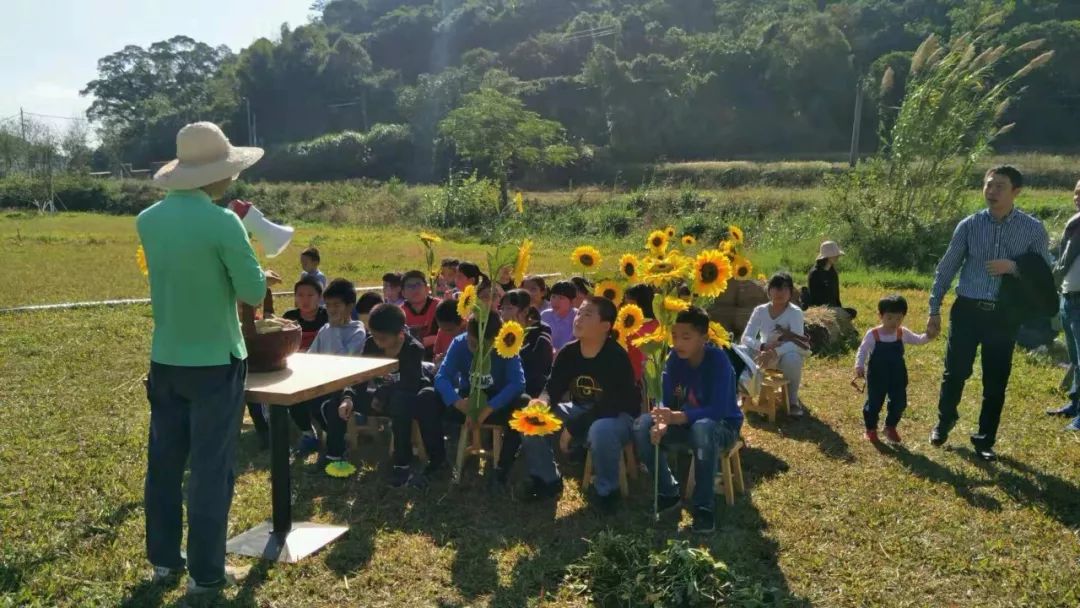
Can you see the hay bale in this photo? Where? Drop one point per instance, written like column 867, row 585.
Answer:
column 830, row 330
column 733, row 308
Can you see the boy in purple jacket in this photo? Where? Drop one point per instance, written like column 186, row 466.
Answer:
column 699, row 411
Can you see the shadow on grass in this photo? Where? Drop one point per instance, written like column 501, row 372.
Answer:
column 964, row 485
column 1058, row 497
column 809, row 428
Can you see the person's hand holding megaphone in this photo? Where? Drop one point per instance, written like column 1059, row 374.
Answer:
column 272, row 278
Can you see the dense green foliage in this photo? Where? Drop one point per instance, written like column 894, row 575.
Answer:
column 638, row 79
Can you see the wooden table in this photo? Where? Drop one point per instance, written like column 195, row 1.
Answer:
column 306, row 377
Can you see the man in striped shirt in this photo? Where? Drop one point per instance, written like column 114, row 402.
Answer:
column 983, row 249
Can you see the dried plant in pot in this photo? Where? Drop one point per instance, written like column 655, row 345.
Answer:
column 270, row 341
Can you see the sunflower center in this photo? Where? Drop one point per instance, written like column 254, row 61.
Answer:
column 509, row 340
column 743, row 271
column 609, row 294
column 709, row 272
column 629, row 270
column 586, row 259
column 664, row 267
column 534, row 421
column 628, row 322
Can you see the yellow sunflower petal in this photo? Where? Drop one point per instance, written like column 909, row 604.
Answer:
column 521, row 266
column 688, row 240
column 673, row 304
column 741, row 268
column 536, row 419
column 735, row 233
column 712, row 269
column 718, row 335
column 466, row 302
column 586, row 256
column 657, row 336
column 628, row 267
column 657, row 243
column 630, row 319
column 670, row 232
column 140, row 259
column 610, row 290
column 429, row 237
column 509, row 340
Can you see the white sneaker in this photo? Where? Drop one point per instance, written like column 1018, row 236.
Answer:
column 163, row 574
column 233, row 576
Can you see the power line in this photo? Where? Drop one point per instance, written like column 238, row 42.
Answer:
column 59, row 117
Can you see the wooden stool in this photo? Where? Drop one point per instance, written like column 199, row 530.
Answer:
column 730, row 479
column 471, row 444
column 772, row 399
column 375, row 425
column 417, row 442
column 628, row 468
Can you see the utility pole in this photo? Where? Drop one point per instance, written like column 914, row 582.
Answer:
column 22, row 123
column 856, row 126
column 250, row 124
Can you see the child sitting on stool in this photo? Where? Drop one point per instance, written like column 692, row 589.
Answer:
column 881, row 361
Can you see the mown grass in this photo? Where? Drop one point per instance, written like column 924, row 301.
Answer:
column 829, row 520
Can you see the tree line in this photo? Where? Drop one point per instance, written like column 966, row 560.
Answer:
column 375, row 88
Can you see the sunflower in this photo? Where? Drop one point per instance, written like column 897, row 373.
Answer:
column 670, row 231
column 688, row 240
column 657, row 336
column 673, row 304
column 620, row 336
column 735, row 233
column 521, row 266
column 662, row 271
column 140, row 259
column 741, row 268
column 466, row 301
column 586, row 256
column 628, row 267
column 718, row 335
column 762, row 277
column 727, row 248
column 428, row 238
column 340, row 468
column 630, row 319
column 508, row 341
column 712, row 270
column 535, row 419
column 657, row 242
column 610, row 290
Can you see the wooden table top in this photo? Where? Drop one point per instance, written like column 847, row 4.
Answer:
column 309, row 376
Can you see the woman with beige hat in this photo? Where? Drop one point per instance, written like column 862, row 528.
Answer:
column 823, row 283
column 200, row 263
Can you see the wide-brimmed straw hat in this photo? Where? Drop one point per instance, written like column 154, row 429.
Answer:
column 829, row 249
column 204, row 156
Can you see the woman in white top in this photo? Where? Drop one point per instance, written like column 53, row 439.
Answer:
column 764, row 332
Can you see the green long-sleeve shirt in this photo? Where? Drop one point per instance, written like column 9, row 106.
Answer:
column 200, row 263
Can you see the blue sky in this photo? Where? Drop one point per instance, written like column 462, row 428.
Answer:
column 52, row 46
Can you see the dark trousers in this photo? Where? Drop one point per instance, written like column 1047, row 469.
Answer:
column 511, row 438
column 258, row 418
column 972, row 327
column 1070, row 322
column 886, row 378
column 324, row 412
column 195, row 415
column 425, row 411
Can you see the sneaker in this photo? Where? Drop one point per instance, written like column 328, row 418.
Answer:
column 608, row 504
column 360, row 418
column 983, row 449
column 233, row 576
column 796, row 410
column 667, row 503
column 307, row 444
column 1074, row 425
column 165, row 575
column 537, row 490
column 1068, row 409
column 871, row 435
column 938, row 437
column 891, row 435
column 399, row 476
column 704, row 521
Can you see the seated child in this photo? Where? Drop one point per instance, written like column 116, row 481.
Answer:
column 309, row 261
column 451, row 326
column 467, row 274
column 592, row 390
column 364, row 304
column 881, row 361
column 584, row 289
column 505, row 389
column 391, row 288
column 445, row 284
column 699, row 411
column 341, row 336
column 419, row 309
column 536, row 350
column 642, row 297
column 560, row 317
column 538, row 291
column 396, row 395
column 307, row 293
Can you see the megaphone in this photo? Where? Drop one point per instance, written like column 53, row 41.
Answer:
column 274, row 238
